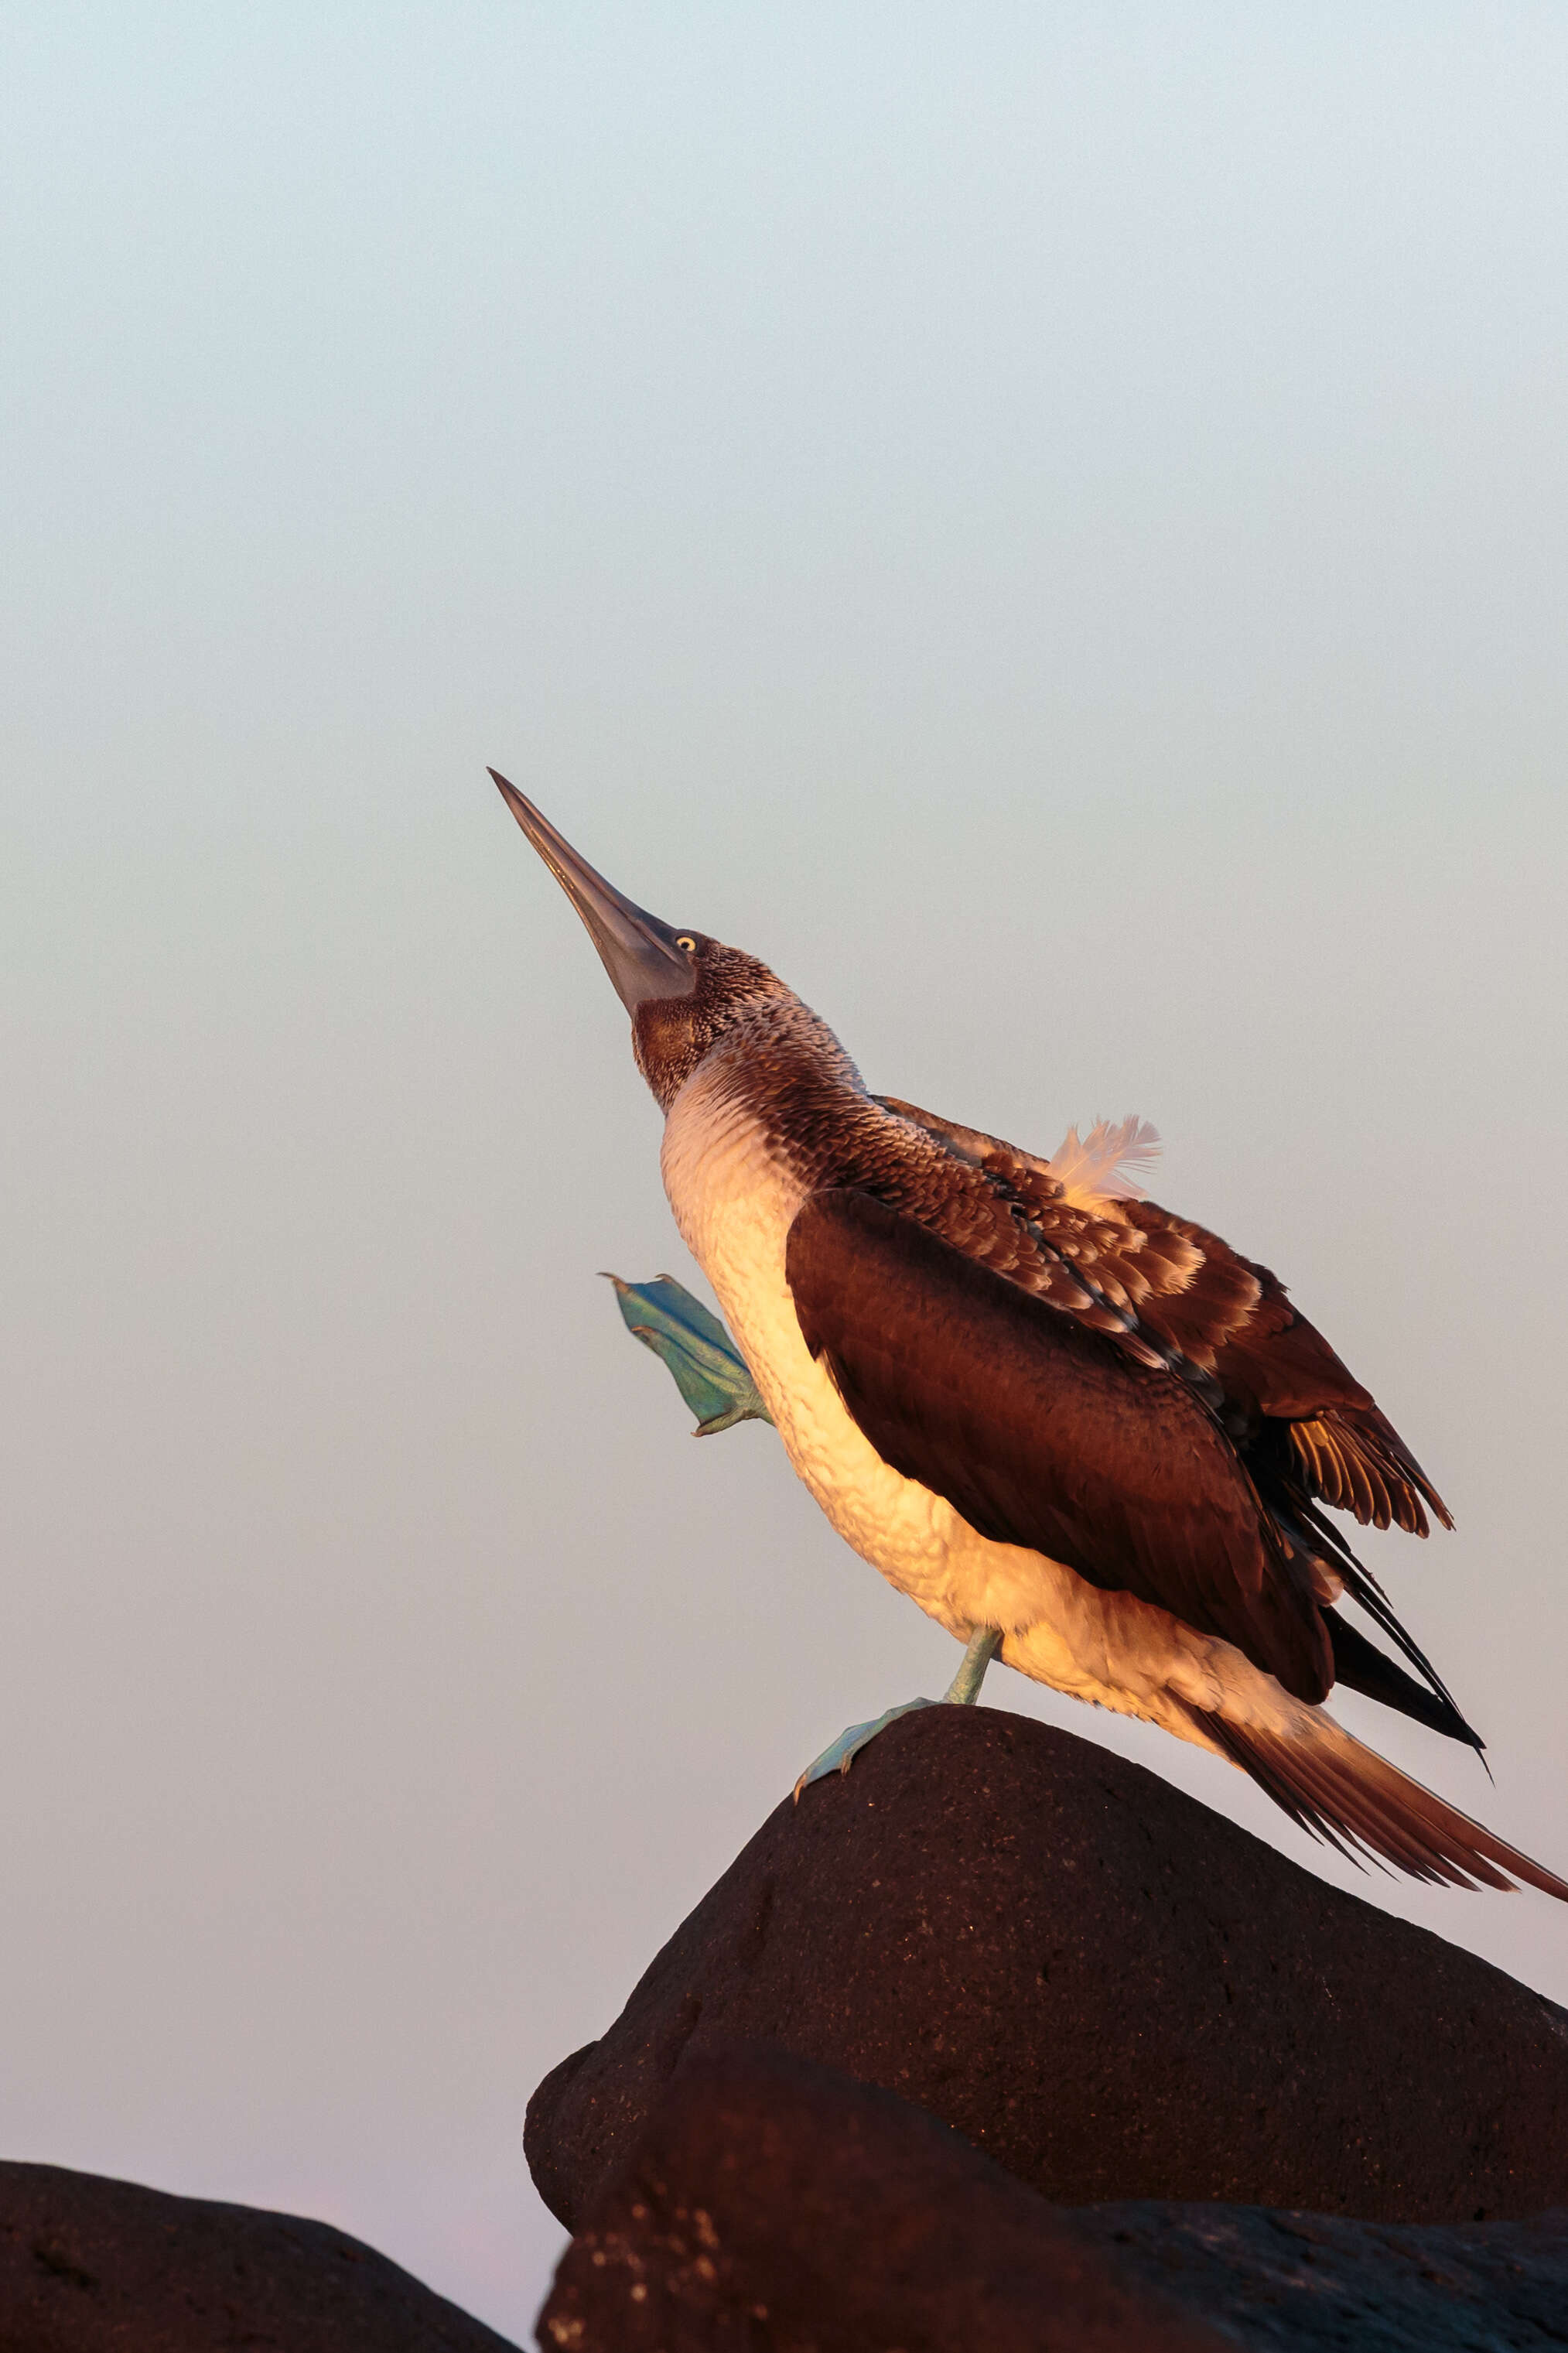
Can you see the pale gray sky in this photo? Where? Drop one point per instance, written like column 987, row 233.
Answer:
column 1051, row 525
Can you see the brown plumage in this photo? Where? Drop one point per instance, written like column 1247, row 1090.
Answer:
column 1062, row 1419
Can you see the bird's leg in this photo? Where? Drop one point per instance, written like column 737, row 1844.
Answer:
column 961, row 1692
column 965, row 1688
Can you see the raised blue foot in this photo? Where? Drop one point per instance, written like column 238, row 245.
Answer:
column 708, row 1368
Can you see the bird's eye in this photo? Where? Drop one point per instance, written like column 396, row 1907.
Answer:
column 688, row 942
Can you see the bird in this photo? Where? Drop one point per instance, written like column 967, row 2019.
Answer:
column 1081, row 1432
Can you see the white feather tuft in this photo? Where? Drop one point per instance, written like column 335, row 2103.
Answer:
column 1097, row 1169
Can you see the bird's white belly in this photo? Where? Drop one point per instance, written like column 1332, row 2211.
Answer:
column 734, row 1200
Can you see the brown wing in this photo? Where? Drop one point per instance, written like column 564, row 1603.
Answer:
column 1192, row 1296
column 1042, row 1433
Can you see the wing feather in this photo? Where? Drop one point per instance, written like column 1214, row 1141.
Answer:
column 1201, row 1306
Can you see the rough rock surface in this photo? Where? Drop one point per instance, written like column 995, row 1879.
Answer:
column 1113, row 1990
column 776, row 2204
column 95, row 2267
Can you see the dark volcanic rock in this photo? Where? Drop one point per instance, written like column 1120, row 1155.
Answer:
column 775, row 2204
column 1115, row 1992
column 95, row 2267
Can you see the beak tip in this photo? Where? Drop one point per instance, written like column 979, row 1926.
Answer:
column 637, row 950
column 511, row 796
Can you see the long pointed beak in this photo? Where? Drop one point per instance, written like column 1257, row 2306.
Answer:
column 637, row 950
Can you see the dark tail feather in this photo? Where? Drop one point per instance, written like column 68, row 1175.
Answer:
column 1360, row 1666
column 1360, row 1803
column 1306, row 1525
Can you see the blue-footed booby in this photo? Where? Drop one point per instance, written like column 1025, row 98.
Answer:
column 1083, row 1434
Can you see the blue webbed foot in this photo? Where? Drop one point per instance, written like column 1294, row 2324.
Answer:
column 840, row 1754
column 961, row 1692
column 708, row 1368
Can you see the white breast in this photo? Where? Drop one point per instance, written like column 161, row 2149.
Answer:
column 735, row 1197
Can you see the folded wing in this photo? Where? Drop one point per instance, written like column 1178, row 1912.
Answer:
column 1044, row 1433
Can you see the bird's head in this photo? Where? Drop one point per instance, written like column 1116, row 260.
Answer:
column 682, row 989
